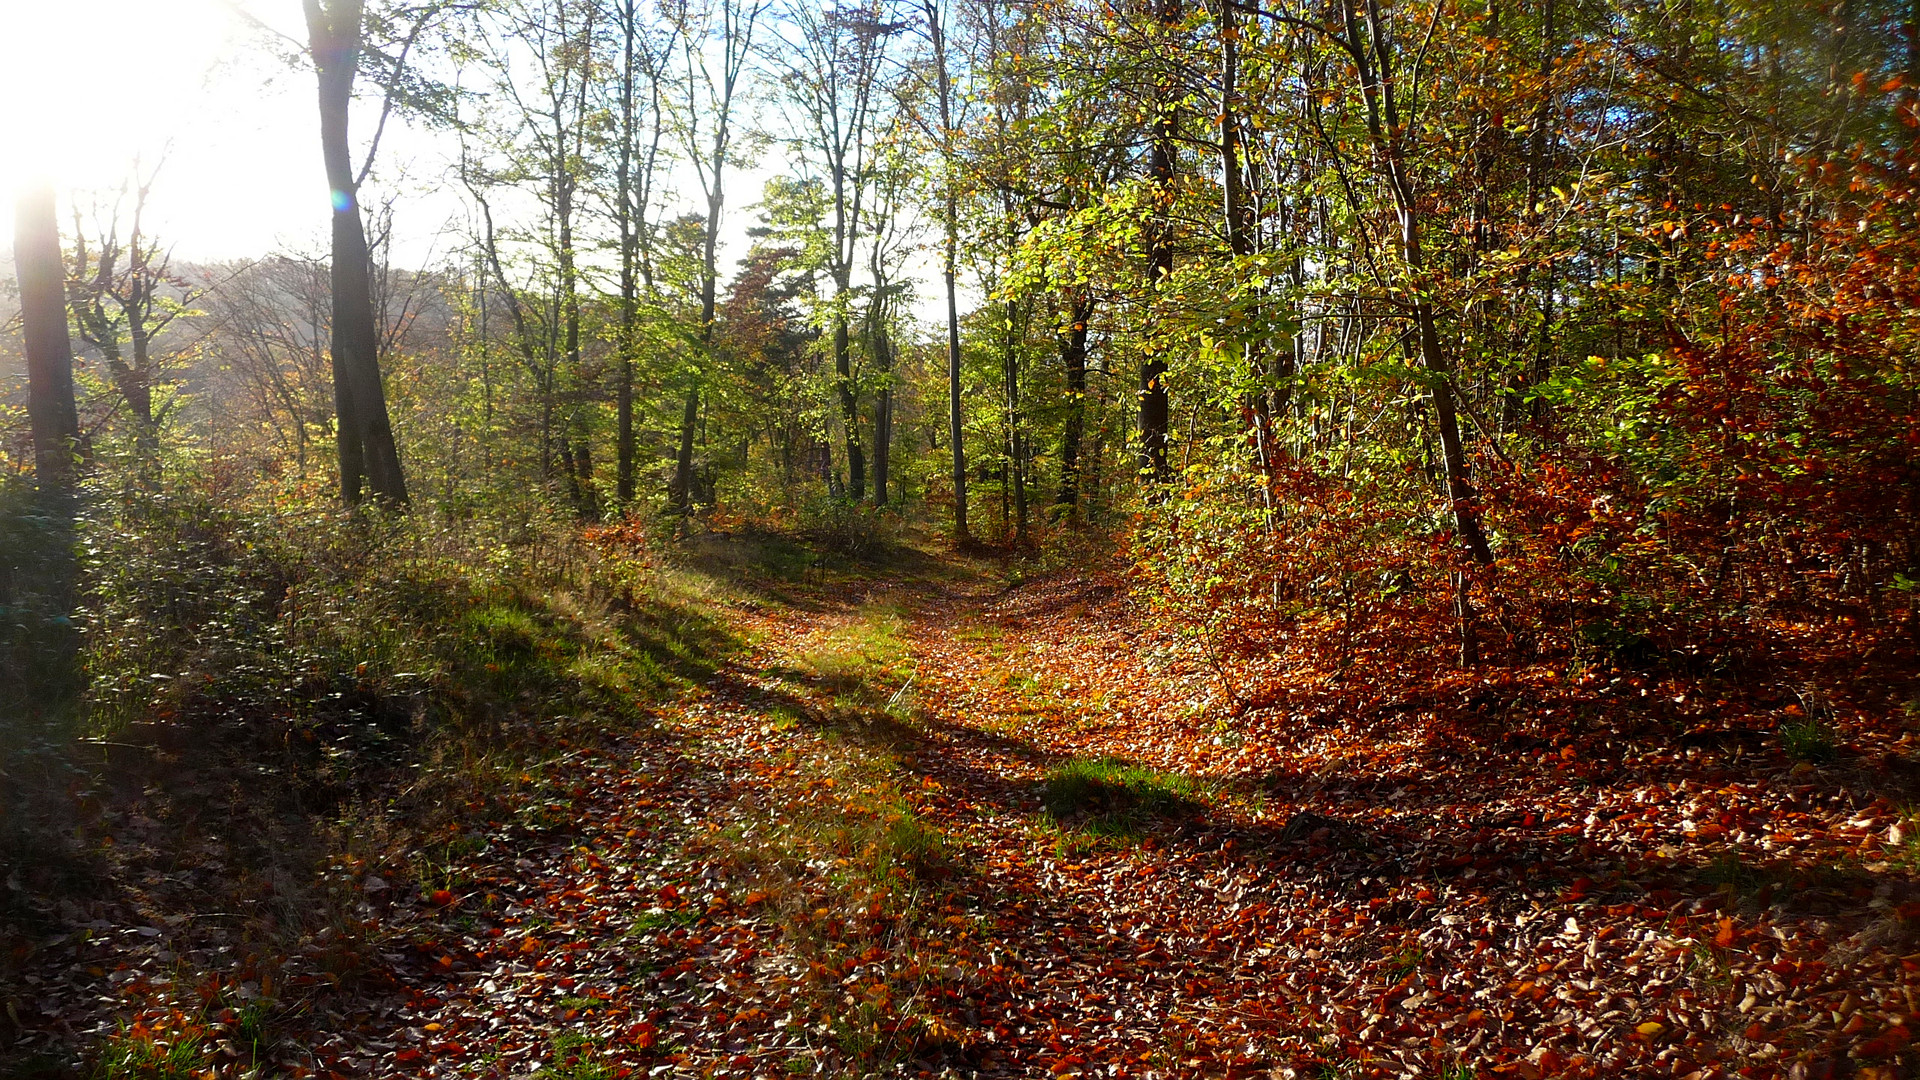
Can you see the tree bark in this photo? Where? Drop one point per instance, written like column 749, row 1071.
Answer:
column 849, row 405
column 738, row 23
column 1153, row 373
column 368, row 456
column 1016, row 436
column 629, row 231
column 1073, row 356
column 43, row 317
column 883, row 406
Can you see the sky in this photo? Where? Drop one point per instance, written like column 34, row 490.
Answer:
column 93, row 86
column 198, row 89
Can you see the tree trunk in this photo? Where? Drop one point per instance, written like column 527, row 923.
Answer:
column 1073, row 356
column 43, row 317
column 629, row 261
column 683, row 493
column 1153, row 373
column 849, row 406
column 368, row 456
column 710, row 163
column 1378, row 88
column 882, row 409
column 949, row 255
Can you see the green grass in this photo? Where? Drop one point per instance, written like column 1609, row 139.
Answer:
column 1808, row 740
column 1112, row 797
column 141, row 1057
column 863, row 665
column 649, row 922
column 576, row 1057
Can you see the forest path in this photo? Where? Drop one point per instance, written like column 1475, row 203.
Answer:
column 929, row 823
column 833, row 858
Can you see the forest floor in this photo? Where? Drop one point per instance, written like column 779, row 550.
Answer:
column 931, row 821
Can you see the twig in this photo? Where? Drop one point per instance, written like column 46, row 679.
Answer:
column 896, row 694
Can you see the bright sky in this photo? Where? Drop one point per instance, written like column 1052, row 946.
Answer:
column 88, row 86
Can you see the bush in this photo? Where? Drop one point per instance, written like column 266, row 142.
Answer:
column 845, row 527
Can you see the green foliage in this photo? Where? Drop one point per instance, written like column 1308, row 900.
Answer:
column 1108, row 796
column 38, row 637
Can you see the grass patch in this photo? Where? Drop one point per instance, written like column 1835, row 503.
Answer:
column 1808, row 740
column 863, row 665
column 1112, row 797
column 652, row 922
column 139, row 1054
column 576, row 1057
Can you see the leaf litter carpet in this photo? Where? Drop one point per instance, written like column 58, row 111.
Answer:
column 848, row 867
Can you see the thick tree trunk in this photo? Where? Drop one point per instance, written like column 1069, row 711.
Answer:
column 43, row 317
column 368, row 456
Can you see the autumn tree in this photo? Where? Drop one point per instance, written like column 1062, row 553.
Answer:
column 124, row 295
column 337, row 46
column 716, row 44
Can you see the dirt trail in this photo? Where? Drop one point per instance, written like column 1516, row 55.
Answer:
column 673, row 906
column 855, row 851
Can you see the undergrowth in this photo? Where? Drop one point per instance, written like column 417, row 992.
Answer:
column 283, row 703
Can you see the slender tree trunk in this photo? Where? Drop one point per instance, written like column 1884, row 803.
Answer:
column 368, row 455
column 711, row 163
column 1537, row 164
column 49, row 346
column 1073, row 356
column 1016, row 441
column 956, row 427
column 1153, row 373
column 575, row 444
column 950, row 258
column 849, row 406
column 1237, row 219
column 683, row 481
column 882, row 408
column 1378, row 88
column 629, row 261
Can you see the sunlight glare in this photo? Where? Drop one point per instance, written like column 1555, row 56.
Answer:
column 91, row 86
